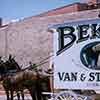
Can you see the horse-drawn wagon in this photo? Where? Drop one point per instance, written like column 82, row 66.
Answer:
column 76, row 66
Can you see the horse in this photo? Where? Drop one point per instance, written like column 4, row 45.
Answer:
column 7, row 69
column 35, row 81
column 29, row 79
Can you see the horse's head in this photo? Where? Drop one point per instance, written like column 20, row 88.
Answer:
column 12, row 64
column 96, row 47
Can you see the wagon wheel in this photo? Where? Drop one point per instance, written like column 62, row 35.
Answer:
column 66, row 95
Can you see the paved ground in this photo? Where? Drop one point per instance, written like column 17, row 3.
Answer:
column 3, row 96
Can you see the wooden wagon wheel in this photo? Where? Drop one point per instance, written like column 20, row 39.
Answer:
column 66, row 95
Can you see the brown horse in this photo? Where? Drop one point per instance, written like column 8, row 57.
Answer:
column 35, row 82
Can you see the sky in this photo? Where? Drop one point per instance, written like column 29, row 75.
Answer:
column 18, row 9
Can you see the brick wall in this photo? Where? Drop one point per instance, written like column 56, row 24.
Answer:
column 66, row 9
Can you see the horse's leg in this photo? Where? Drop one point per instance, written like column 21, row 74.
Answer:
column 7, row 94
column 33, row 94
column 41, row 96
column 38, row 91
column 22, row 94
column 18, row 95
column 11, row 91
column 46, row 88
column 6, row 88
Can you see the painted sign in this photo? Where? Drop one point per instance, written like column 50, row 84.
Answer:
column 77, row 55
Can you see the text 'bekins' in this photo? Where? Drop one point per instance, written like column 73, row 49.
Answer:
column 84, row 32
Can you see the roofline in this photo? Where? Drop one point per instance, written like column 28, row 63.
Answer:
column 59, row 8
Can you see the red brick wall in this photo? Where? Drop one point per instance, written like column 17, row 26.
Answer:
column 67, row 9
column 92, row 4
